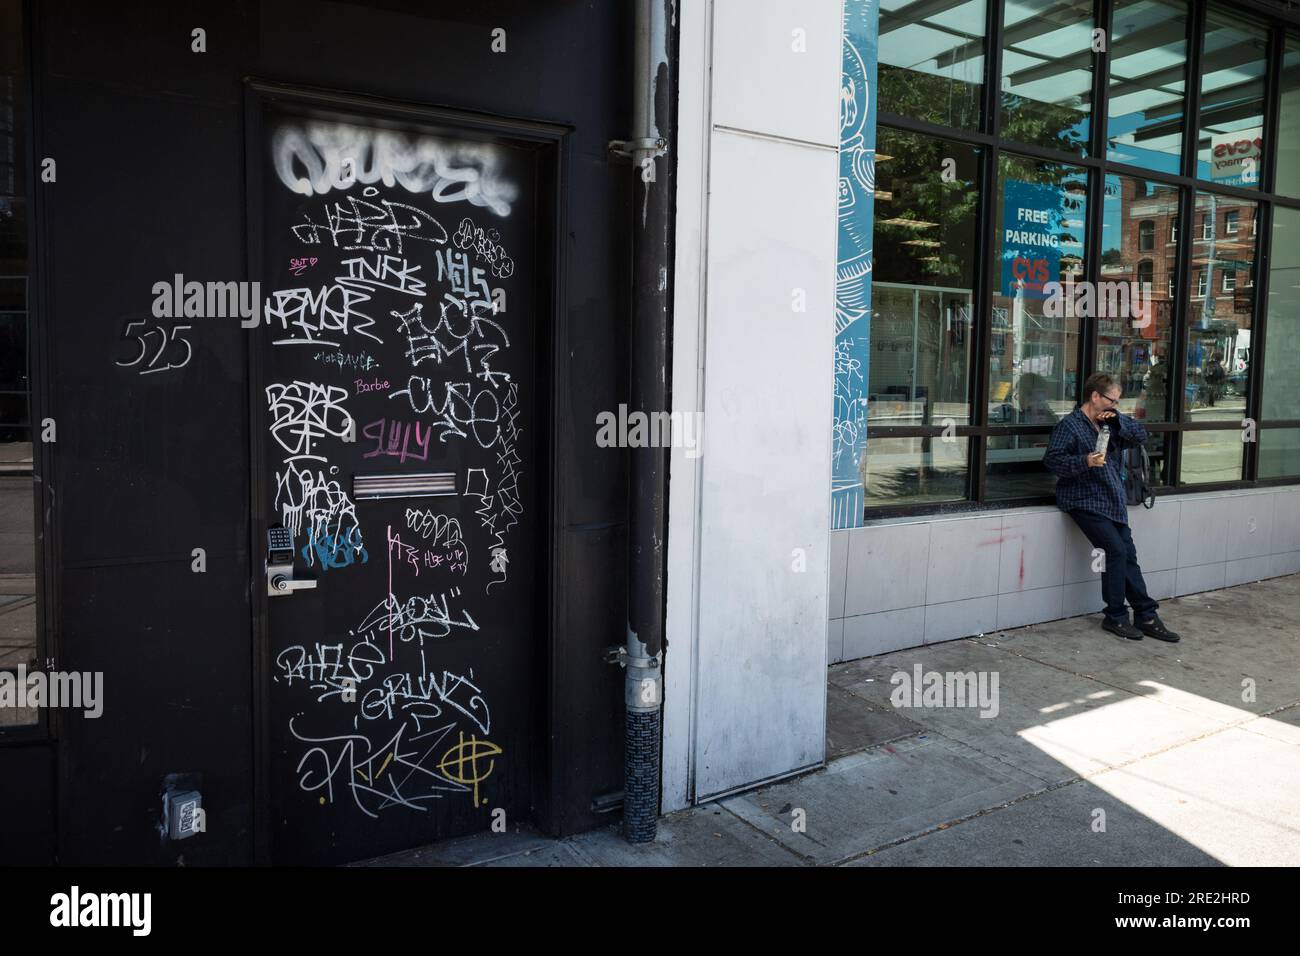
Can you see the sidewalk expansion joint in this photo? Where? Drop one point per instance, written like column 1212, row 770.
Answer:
column 949, row 824
column 805, row 860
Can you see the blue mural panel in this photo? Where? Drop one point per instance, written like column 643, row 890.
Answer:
column 853, row 275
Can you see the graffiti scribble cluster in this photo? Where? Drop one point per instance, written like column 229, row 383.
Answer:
column 389, row 725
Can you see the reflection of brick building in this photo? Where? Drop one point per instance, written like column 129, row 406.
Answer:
column 1144, row 251
column 1223, row 259
column 1147, row 247
column 1222, row 298
column 1220, row 287
column 1223, row 251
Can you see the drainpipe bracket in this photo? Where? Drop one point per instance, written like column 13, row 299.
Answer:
column 616, row 654
column 631, row 148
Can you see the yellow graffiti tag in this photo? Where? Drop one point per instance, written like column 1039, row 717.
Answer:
column 469, row 752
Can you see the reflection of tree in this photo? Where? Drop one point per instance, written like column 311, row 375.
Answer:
column 926, row 96
column 951, row 102
column 1043, row 172
column 896, row 485
column 1043, row 124
column 913, row 179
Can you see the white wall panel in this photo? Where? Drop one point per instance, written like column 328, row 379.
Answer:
column 762, row 644
column 1181, row 544
column 763, row 83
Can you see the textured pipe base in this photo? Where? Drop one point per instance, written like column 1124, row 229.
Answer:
column 640, row 776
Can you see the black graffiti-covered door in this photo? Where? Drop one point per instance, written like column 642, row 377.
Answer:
column 398, row 257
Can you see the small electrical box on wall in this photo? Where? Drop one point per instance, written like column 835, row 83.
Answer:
column 183, row 815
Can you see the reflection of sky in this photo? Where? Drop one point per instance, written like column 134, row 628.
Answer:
column 917, row 45
column 1112, row 216
column 1143, row 53
column 1069, row 40
column 1153, row 156
column 1157, row 71
column 1238, row 51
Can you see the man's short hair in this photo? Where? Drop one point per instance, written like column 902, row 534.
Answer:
column 1098, row 382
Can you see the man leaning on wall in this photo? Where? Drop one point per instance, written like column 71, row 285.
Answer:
column 1090, row 489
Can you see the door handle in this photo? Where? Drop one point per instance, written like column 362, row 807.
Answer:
column 280, row 582
column 279, row 564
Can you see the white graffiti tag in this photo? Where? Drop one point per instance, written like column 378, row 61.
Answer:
column 313, row 158
column 303, row 413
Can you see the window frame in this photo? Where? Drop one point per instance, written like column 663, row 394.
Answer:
column 1146, row 235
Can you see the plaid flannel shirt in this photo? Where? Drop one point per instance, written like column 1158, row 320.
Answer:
column 1080, row 487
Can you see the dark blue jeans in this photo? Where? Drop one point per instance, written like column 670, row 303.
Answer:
column 1122, row 577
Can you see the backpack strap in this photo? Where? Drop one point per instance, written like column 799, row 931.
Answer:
column 1148, row 493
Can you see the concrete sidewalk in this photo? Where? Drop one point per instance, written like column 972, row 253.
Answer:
column 1151, row 741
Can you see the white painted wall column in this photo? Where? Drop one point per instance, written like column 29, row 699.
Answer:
column 753, row 344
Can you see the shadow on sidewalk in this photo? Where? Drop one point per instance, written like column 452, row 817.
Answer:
column 1102, row 752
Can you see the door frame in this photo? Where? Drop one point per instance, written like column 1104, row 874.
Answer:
column 551, row 141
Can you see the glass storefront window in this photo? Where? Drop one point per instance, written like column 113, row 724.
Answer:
column 1234, row 64
column 922, row 280
column 920, row 349
column 1279, row 452
column 1219, row 321
column 1288, row 127
column 915, row 471
column 1135, row 326
column 1157, row 442
column 1033, row 371
column 19, row 635
column 1210, row 456
column 1148, row 62
column 926, row 319
column 1047, row 60
column 1281, row 398
column 932, row 60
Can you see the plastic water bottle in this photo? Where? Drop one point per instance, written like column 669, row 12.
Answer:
column 1103, row 439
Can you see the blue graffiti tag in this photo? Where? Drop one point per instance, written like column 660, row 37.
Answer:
column 335, row 550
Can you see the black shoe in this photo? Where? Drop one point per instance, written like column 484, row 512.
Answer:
column 1154, row 627
column 1121, row 629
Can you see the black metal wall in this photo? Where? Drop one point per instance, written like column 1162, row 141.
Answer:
column 148, row 138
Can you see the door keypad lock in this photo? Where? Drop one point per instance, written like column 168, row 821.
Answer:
column 279, row 564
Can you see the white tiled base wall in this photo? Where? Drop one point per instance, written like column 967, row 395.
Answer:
column 911, row 581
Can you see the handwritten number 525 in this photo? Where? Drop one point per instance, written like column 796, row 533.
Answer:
column 163, row 341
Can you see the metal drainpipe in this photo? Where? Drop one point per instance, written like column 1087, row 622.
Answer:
column 653, row 112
